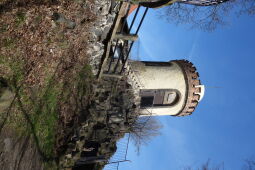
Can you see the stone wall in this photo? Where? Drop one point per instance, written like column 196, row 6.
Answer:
column 105, row 121
column 105, row 12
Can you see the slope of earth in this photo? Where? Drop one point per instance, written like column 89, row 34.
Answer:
column 46, row 80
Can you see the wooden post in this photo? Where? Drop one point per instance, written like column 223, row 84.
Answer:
column 130, row 37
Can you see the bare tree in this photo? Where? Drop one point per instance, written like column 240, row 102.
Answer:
column 206, row 166
column 143, row 129
column 161, row 3
column 249, row 164
column 247, row 7
column 207, row 17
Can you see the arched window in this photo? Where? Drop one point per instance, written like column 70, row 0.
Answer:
column 159, row 97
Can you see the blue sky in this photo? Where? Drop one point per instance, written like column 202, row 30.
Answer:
column 222, row 128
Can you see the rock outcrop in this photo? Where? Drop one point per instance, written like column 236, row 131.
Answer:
column 106, row 120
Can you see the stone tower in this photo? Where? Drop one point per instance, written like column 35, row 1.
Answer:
column 166, row 88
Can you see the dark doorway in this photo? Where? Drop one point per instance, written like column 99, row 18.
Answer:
column 147, row 101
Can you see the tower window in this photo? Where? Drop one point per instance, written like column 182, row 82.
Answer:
column 159, row 97
column 170, row 97
column 151, row 63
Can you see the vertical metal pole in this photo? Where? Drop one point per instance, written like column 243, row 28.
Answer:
column 133, row 21
column 118, row 166
column 112, row 58
column 140, row 24
column 118, row 61
column 127, row 146
column 146, row 10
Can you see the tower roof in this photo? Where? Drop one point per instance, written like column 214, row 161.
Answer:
column 194, row 91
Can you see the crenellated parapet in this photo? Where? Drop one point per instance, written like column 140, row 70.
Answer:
column 194, row 91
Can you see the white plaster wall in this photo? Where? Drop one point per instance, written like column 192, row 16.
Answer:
column 161, row 77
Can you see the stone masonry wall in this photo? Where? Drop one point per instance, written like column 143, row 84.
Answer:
column 105, row 121
column 105, row 12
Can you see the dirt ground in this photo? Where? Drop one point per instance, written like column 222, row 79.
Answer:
column 44, row 63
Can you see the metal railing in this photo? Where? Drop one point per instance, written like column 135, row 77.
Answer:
column 123, row 47
column 120, row 155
